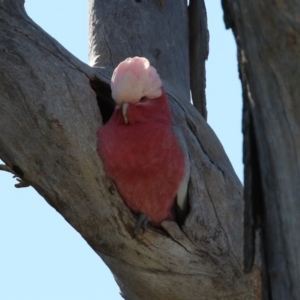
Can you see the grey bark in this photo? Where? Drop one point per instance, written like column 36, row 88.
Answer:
column 199, row 38
column 268, row 34
column 48, row 122
column 158, row 31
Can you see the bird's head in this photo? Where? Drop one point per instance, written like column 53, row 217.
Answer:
column 136, row 84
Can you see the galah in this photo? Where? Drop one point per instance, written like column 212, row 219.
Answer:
column 138, row 148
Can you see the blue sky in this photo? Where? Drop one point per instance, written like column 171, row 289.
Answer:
column 41, row 256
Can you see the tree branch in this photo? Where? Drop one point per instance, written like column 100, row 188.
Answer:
column 267, row 35
column 48, row 122
column 199, row 38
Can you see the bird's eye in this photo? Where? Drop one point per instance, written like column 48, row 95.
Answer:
column 143, row 99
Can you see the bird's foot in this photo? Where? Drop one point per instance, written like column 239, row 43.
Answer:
column 141, row 223
column 21, row 182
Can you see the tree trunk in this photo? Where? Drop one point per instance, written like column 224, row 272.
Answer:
column 48, row 122
column 268, row 34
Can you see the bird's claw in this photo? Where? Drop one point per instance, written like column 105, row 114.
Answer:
column 21, row 182
column 142, row 222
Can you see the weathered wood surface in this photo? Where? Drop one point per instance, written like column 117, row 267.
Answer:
column 268, row 38
column 48, row 122
column 121, row 29
column 199, row 38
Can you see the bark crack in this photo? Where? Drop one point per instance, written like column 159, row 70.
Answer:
column 221, row 225
column 156, row 271
column 194, row 131
column 107, row 45
column 172, row 229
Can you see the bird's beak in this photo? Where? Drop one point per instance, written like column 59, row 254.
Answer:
column 124, row 112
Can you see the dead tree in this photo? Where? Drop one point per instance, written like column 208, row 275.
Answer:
column 268, row 35
column 51, row 106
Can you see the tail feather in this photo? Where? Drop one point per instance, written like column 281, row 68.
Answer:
column 182, row 205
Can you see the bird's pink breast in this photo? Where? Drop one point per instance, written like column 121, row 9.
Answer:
column 146, row 163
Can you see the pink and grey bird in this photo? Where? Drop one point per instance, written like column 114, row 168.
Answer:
column 137, row 145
